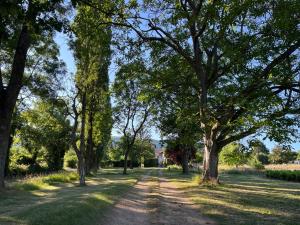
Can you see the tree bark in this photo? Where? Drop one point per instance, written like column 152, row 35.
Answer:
column 210, row 162
column 90, row 155
column 81, row 169
column 10, row 142
column 131, row 161
column 125, row 162
column 99, row 151
column 82, row 148
column 9, row 96
column 185, row 161
column 4, row 139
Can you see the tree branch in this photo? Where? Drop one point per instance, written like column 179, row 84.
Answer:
column 279, row 59
column 238, row 136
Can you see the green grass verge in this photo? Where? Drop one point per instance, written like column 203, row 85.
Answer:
column 44, row 182
column 58, row 200
column 243, row 199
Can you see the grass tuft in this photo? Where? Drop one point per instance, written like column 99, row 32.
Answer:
column 63, row 177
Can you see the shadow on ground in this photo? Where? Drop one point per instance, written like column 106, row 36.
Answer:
column 246, row 199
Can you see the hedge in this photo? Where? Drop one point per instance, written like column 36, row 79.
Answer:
column 289, row 175
column 119, row 163
column 151, row 163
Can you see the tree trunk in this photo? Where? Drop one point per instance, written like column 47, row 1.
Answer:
column 210, row 162
column 99, row 151
column 9, row 96
column 4, row 140
column 81, row 169
column 82, row 148
column 125, row 162
column 10, row 142
column 185, row 161
column 131, row 161
column 90, row 156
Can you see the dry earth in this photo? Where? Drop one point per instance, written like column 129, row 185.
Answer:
column 154, row 200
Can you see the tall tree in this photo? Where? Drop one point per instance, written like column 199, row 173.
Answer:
column 132, row 106
column 281, row 155
column 243, row 55
column 21, row 23
column 180, row 153
column 176, row 110
column 92, row 53
column 258, row 151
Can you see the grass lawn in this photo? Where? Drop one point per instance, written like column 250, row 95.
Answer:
column 58, row 200
column 244, row 199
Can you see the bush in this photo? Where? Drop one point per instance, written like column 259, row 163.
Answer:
column 23, row 170
column 151, row 162
column 263, row 158
column 71, row 159
column 288, row 175
column 37, row 169
column 255, row 163
column 17, row 170
column 259, row 166
column 119, row 163
column 25, row 160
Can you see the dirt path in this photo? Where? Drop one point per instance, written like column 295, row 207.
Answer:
column 175, row 208
column 155, row 201
column 133, row 208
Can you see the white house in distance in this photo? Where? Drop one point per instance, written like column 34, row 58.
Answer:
column 160, row 155
column 159, row 152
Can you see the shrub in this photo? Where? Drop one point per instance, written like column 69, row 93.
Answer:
column 119, row 163
column 151, row 163
column 25, row 159
column 23, row 170
column 37, row 169
column 71, row 159
column 17, row 170
column 255, row 163
column 284, row 175
column 263, row 158
column 259, row 166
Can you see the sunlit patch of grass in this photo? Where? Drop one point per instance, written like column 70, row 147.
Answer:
column 65, row 203
column 44, row 182
column 244, row 199
column 196, row 179
column 32, row 184
column 63, row 177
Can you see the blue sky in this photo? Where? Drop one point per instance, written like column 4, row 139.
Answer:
column 67, row 56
